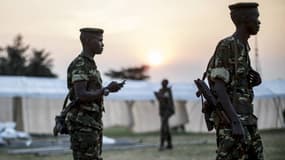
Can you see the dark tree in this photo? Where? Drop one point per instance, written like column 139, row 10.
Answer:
column 39, row 65
column 16, row 59
column 16, row 62
column 3, row 66
column 132, row 73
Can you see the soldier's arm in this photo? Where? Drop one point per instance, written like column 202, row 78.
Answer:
column 224, row 99
column 220, row 73
column 83, row 95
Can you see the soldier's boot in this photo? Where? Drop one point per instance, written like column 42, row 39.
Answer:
column 161, row 147
column 169, row 142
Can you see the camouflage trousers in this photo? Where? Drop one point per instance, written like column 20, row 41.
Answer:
column 232, row 149
column 85, row 134
column 165, row 134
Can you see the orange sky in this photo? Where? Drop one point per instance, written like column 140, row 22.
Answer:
column 184, row 31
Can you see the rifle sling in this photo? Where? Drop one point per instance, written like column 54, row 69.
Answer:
column 66, row 100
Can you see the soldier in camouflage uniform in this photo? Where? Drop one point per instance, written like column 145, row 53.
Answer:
column 231, row 78
column 166, row 110
column 84, row 121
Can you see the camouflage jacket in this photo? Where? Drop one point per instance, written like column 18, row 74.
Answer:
column 231, row 63
column 83, row 68
column 166, row 104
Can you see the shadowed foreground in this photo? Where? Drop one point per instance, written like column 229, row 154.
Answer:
column 186, row 147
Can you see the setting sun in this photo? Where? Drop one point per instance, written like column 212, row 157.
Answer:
column 155, row 58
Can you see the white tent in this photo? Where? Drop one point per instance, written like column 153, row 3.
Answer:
column 33, row 103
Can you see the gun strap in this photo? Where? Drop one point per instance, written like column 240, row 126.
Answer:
column 66, row 99
column 205, row 73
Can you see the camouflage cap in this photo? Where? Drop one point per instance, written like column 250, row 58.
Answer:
column 92, row 30
column 243, row 5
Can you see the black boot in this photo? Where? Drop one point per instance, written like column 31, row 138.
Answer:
column 161, row 147
column 169, row 142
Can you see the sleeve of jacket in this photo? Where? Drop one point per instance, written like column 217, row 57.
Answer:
column 79, row 71
column 220, row 66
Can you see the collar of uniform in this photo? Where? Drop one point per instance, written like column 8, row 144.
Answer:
column 89, row 58
column 247, row 47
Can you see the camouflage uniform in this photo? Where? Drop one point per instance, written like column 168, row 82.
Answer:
column 85, row 121
column 231, row 64
column 166, row 110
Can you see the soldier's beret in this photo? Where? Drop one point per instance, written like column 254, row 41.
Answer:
column 243, row 5
column 92, row 30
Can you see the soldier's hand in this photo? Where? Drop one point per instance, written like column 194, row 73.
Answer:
column 115, row 86
column 238, row 130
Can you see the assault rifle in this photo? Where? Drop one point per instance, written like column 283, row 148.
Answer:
column 209, row 105
column 60, row 126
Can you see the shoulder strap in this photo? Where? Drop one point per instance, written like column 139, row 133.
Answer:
column 66, row 99
column 205, row 73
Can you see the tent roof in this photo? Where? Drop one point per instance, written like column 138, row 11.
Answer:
column 34, row 87
column 134, row 90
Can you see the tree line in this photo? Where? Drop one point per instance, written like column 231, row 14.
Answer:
column 17, row 63
column 132, row 73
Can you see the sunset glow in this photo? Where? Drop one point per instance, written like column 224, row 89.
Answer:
column 175, row 38
column 155, row 58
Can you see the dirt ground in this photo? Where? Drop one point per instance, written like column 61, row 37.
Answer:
column 187, row 146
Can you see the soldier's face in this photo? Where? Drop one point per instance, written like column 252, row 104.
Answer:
column 96, row 43
column 252, row 22
column 164, row 83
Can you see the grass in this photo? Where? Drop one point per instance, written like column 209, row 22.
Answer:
column 187, row 146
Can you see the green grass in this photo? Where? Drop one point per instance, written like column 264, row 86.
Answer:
column 187, row 146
